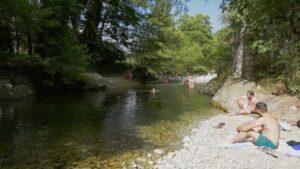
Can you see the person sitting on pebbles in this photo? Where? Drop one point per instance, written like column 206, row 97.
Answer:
column 246, row 107
column 269, row 137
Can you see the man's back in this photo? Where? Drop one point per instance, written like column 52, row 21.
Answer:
column 270, row 128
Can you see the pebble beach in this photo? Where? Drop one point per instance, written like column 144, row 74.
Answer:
column 203, row 149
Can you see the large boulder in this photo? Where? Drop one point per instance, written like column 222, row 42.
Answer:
column 93, row 81
column 233, row 89
column 11, row 90
column 212, row 86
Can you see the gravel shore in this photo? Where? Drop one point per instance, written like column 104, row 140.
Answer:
column 202, row 149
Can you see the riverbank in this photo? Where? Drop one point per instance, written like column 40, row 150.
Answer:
column 202, row 148
column 198, row 78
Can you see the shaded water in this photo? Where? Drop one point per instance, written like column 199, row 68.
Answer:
column 96, row 129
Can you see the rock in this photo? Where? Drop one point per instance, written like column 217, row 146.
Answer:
column 174, row 79
column 150, row 162
column 68, row 144
column 293, row 109
column 149, row 155
column 10, row 90
column 234, row 89
column 213, row 86
column 158, row 151
column 185, row 145
column 8, row 85
column 141, row 159
column 186, row 139
column 171, row 154
column 133, row 165
column 278, row 88
column 93, row 81
column 10, row 110
column 205, row 78
column 22, row 90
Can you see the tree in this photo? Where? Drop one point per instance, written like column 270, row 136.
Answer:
column 178, row 48
column 272, row 35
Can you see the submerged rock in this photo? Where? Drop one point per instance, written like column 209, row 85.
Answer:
column 149, row 155
column 158, row 151
column 150, row 162
column 133, row 165
column 205, row 78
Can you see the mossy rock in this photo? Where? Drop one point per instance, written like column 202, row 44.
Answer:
column 93, row 81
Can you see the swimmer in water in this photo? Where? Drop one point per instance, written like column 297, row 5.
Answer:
column 153, row 91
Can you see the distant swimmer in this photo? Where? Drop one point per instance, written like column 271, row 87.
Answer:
column 153, row 91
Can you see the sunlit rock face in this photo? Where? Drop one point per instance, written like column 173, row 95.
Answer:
column 205, row 78
column 233, row 89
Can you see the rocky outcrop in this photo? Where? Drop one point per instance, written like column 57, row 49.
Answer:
column 93, row 81
column 14, row 90
column 282, row 104
column 200, row 79
column 212, row 86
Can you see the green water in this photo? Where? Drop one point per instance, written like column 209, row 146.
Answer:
column 97, row 129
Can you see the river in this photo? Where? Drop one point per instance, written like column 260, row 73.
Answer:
column 103, row 129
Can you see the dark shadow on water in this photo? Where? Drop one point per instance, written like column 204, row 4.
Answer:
column 59, row 129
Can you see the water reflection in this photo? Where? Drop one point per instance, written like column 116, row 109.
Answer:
column 55, row 131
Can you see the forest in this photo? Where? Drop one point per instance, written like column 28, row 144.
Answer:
column 54, row 41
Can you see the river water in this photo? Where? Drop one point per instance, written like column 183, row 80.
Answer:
column 105, row 129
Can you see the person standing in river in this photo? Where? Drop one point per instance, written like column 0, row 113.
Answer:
column 268, row 137
column 191, row 82
column 246, row 107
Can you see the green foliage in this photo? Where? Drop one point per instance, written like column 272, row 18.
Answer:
column 271, row 36
column 37, row 34
column 222, row 52
column 197, row 28
column 179, row 48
